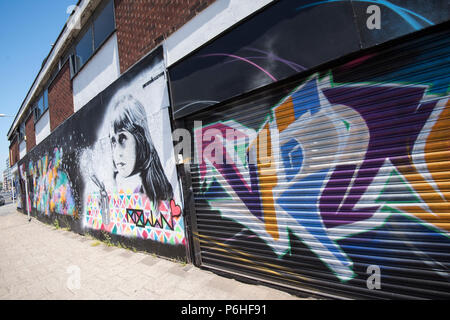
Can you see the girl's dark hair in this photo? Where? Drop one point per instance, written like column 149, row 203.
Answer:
column 129, row 114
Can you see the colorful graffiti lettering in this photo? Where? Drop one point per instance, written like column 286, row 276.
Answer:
column 133, row 214
column 51, row 187
column 331, row 161
column 160, row 219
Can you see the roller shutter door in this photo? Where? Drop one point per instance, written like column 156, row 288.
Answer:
column 338, row 182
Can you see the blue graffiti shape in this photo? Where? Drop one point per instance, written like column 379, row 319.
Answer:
column 292, row 158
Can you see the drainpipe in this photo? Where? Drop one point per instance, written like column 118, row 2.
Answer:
column 12, row 188
column 26, row 200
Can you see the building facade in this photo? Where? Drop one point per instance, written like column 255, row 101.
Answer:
column 7, row 176
column 303, row 144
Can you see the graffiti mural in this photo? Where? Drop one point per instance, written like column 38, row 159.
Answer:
column 110, row 167
column 51, row 190
column 131, row 194
column 339, row 166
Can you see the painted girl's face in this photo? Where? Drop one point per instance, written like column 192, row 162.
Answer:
column 124, row 150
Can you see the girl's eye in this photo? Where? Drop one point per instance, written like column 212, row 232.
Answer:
column 113, row 141
column 122, row 138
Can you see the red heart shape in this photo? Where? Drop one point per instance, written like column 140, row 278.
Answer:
column 176, row 210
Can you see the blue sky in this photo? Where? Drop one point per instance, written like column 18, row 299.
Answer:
column 27, row 30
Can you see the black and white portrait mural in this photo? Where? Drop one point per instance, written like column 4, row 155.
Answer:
column 131, row 186
column 111, row 167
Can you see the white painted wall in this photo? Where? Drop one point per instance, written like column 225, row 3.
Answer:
column 102, row 70
column 42, row 127
column 212, row 21
column 22, row 149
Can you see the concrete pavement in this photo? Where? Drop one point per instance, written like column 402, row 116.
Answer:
column 38, row 261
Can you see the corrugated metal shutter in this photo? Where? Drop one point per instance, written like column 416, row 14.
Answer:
column 334, row 177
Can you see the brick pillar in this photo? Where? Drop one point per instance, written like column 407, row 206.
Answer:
column 142, row 25
column 30, row 132
column 14, row 149
column 60, row 97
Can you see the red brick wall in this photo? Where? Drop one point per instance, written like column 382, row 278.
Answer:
column 14, row 149
column 30, row 132
column 143, row 24
column 60, row 97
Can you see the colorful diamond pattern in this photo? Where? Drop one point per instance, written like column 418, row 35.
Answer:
column 161, row 226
